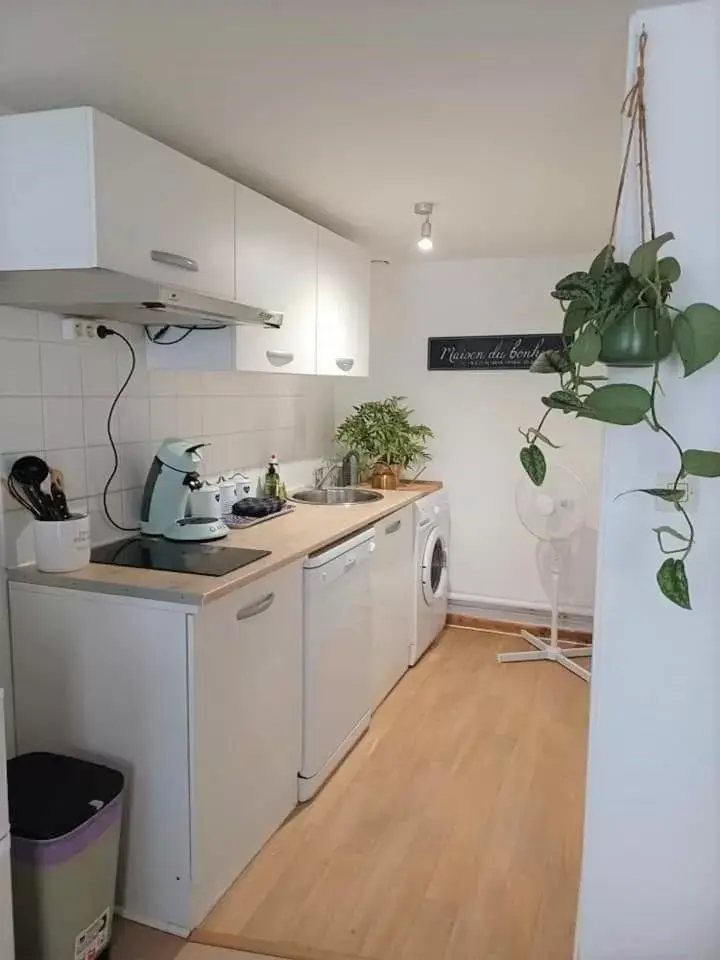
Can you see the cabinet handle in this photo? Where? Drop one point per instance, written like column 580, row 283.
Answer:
column 174, row 260
column 393, row 527
column 255, row 608
column 278, row 358
column 345, row 363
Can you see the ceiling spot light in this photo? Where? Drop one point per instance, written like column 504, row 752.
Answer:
column 425, row 210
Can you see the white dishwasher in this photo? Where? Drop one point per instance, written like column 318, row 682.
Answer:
column 337, row 657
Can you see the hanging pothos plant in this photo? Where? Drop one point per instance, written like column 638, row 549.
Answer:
column 620, row 313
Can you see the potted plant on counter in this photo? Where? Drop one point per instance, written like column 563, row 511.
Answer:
column 380, row 433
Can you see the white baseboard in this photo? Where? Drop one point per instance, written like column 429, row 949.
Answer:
column 492, row 608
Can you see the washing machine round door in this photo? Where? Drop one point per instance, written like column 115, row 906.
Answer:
column 434, row 568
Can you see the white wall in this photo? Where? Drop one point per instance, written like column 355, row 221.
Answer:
column 651, row 870
column 476, row 414
column 54, row 401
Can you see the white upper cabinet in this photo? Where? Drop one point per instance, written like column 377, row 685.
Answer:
column 343, row 307
column 83, row 190
column 276, row 264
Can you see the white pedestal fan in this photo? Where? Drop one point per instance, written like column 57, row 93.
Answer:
column 552, row 513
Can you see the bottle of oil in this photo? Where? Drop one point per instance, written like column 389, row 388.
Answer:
column 271, row 487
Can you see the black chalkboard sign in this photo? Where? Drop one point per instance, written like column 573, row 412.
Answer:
column 508, row 351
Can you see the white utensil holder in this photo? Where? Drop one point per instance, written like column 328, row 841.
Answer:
column 62, row 546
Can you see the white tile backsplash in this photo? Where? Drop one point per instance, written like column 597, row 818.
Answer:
column 95, row 414
column 60, row 369
column 163, row 417
column 63, row 422
column 21, row 423
column 55, row 397
column 134, row 419
column 20, row 368
column 99, row 369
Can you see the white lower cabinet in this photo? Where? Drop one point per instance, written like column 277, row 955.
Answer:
column 200, row 708
column 393, row 600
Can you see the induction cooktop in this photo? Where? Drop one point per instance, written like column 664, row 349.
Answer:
column 150, row 553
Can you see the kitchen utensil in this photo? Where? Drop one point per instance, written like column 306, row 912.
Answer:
column 62, row 546
column 27, row 474
column 57, row 493
column 207, row 501
column 18, row 494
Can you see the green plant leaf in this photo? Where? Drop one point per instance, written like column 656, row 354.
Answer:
column 697, row 336
column 665, row 531
column 577, row 286
column 586, row 348
column 669, row 270
column 563, row 400
column 533, row 460
column 620, row 403
column 701, row 463
column 602, row 262
column 643, row 262
column 551, row 361
column 576, row 315
column 662, row 493
column 672, row 580
column 533, row 434
column 612, row 284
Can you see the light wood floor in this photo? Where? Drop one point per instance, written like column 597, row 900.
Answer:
column 452, row 832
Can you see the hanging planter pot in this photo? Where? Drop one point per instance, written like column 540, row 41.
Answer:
column 622, row 314
column 639, row 339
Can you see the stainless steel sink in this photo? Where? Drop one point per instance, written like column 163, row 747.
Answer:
column 335, row 496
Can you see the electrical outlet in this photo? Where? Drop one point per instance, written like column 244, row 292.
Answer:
column 78, row 328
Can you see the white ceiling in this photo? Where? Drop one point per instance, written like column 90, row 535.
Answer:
column 503, row 112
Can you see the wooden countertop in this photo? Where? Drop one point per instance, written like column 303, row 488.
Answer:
column 292, row 537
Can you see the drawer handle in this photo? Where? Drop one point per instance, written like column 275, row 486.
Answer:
column 345, row 363
column 254, row 609
column 425, row 522
column 278, row 358
column 393, row 527
column 350, row 563
column 174, row 260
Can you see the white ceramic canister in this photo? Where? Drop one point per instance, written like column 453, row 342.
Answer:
column 227, row 495
column 62, row 546
column 205, row 502
column 243, row 486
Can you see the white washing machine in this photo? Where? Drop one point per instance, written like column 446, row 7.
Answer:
column 432, row 541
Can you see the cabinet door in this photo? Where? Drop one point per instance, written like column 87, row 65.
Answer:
column 245, row 727
column 276, row 269
column 161, row 215
column 393, row 595
column 343, row 307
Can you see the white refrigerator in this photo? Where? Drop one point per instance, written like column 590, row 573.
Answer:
column 7, row 950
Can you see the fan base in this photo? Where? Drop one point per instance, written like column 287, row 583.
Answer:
column 550, row 651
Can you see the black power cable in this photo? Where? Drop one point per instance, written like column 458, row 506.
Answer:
column 103, row 332
column 167, row 343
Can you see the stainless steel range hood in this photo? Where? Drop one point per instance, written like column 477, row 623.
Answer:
column 100, row 294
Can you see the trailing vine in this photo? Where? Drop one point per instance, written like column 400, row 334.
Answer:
column 619, row 313
column 634, row 294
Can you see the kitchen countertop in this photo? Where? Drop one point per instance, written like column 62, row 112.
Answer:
column 291, row 537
